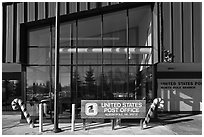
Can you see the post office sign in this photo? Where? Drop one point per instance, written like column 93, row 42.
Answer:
column 113, row 109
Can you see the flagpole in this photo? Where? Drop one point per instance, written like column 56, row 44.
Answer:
column 56, row 90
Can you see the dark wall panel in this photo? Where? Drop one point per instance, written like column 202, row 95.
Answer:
column 83, row 6
column 197, row 33
column 41, row 10
column 167, row 40
column 63, row 7
column 113, row 3
column 14, row 31
column 9, row 34
column 92, row 5
column 187, row 30
column 31, row 11
column 4, row 34
column 104, row 4
column 20, row 19
column 177, row 32
column 51, row 9
column 72, row 7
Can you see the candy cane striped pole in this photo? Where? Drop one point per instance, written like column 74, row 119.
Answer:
column 19, row 102
column 156, row 102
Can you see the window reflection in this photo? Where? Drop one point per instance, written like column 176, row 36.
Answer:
column 111, row 55
column 90, row 81
column 114, row 31
column 39, row 37
column 139, row 26
column 67, row 34
column 65, row 91
column 37, row 83
column 120, row 79
column 144, row 56
column 39, row 56
column 89, row 32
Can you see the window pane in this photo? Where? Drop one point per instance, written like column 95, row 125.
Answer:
column 115, row 55
column 140, row 55
column 140, row 26
column 115, row 78
column 134, row 82
column 107, row 83
column 114, row 31
column 145, row 89
column 39, row 37
column 90, row 80
column 39, row 56
column 119, row 82
column 65, row 92
column 67, row 34
column 89, row 32
column 67, row 41
column 91, row 58
column 37, row 83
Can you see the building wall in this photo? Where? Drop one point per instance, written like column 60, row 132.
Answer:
column 180, row 30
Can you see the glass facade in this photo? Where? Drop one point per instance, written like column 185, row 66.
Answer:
column 107, row 56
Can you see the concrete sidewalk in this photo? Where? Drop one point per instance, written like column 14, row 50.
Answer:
column 166, row 125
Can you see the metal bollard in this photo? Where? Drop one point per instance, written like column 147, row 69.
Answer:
column 73, row 116
column 45, row 108
column 41, row 117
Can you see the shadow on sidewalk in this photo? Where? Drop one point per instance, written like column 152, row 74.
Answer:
column 9, row 127
column 166, row 118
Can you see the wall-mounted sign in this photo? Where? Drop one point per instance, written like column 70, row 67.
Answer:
column 113, row 109
column 180, row 94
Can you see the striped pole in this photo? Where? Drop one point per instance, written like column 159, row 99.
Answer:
column 19, row 102
column 158, row 102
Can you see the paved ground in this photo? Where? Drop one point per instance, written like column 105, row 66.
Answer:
column 183, row 124
column 177, row 124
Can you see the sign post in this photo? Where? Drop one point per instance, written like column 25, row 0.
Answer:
column 113, row 123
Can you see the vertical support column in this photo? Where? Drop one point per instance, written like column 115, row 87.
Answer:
column 84, row 124
column 73, row 116
column 56, row 90
column 45, row 108
column 41, row 117
column 118, row 122
column 50, row 69
column 113, row 123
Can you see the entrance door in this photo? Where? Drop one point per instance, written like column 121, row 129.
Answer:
column 11, row 89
